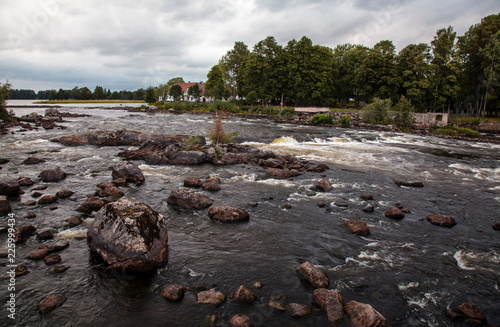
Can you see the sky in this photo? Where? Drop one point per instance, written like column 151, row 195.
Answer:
column 127, row 45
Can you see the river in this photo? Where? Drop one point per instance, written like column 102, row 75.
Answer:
column 409, row 270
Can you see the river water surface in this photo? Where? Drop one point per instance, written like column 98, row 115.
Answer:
column 409, row 270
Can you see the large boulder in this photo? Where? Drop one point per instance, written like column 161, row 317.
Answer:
column 52, row 175
column 364, row 315
column 9, row 186
column 331, row 302
column 441, row 220
column 186, row 199
column 313, row 275
column 130, row 171
column 228, row 214
column 129, row 235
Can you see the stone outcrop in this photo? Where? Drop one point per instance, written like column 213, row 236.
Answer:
column 313, row 275
column 130, row 172
column 364, row 315
column 129, row 235
column 228, row 214
column 441, row 220
column 186, row 199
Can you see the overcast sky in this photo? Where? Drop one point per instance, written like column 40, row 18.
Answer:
column 126, row 45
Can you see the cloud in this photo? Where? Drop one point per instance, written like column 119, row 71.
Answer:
column 129, row 44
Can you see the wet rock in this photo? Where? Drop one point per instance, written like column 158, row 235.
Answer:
column 40, row 188
column 4, row 205
column 341, row 204
column 9, row 186
column 64, row 194
column 25, row 181
column 496, row 226
column 30, row 203
column 46, row 233
column 286, row 206
column 313, row 275
column 21, row 270
column 52, row 259
column 321, row 205
column 278, row 303
column 364, row 315
column 36, row 194
column 331, row 302
column 186, row 199
column 120, row 182
column 32, row 161
column 272, row 163
column 244, row 295
column 323, row 185
column 130, row 171
column 319, row 168
column 91, row 204
column 38, row 254
column 3, row 161
column 357, row 227
column 53, row 208
column 210, row 297
column 441, row 220
column 409, row 184
column 394, row 213
column 299, row 310
column 22, row 233
column 228, row 214
column 472, row 312
column 240, row 320
column 282, row 173
column 367, row 197
column 47, row 199
column 59, row 269
column 187, row 157
column 212, row 184
column 73, row 221
column 30, row 215
column 369, row 208
column 55, row 246
column 129, row 235
column 173, row 292
column 52, row 175
column 51, row 302
column 112, row 191
column 193, row 182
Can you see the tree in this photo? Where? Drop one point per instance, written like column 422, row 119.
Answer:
column 194, row 92
column 175, row 80
column 85, row 93
column 215, row 87
column 414, row 73
column 149, row 95
column 348, row 58
column 445, row 69
column 176, row 92
column 99, row 93
column 378, row 112
column 233, row 64
column 4, row 95
column 404, row 113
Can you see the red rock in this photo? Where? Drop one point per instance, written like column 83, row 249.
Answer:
column 52, row 259
column 38, row 254
column 189, row 200
column 367, row 197
column 51, row 302
column 244, row 294
column 22, row 233
column 441, row 220
column 357, row 227
column 323, row 185
column 212, row 184
column 210, row 297
column 21, row 270
column 472, row 311
column 228, row 214
column 173, row 292
column 394, row 213
column 25, row 181
column 364, row 315
column 63, row 194
column 299, row 310
column 313, row 275
column 47, row 199
column 331, row 302
column 278, row 303
column 192, row 182
column 240, row 321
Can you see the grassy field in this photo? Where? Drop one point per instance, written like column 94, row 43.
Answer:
column 87, row 101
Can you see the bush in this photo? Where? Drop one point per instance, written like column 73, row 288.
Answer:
column 320, row 119
column 4, row 95
column 378, row 112
column 404, row 113
column 451, row 130
column 218, row 135
column 223, row 106
column 345, row 121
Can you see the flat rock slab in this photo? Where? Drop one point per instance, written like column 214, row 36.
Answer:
column 441, row 220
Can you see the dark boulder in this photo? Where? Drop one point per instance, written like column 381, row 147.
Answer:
column 409, row 184
column 496, row 226
column 129, row 235
column 323, row 185
column 313, row 275
column 299, row 310
column 36, row 194
column 46, row 233
column 240, row 320
column 63, row 194
column 130, row 171
column 32, row 161
column 367, row 197
column 212, row 184
column 358, row 227
column 52, row 175
column 394, row 213
column 473, row 312
column 193, row 182
column 22, row 233
column 4, row 205
column 72, row 221
column 91, row 204
column 47, row 199
column 25, row 181
column 52, row 259
column 244, row 295
column 210, row 297
column 364, row 315
column 9, row 186
column 331, row 302
column 38, row 254
column 186, row 199
column 228, row 214
column 441, row 220
column 188, row 158
column 173, row 292
column 51, row 302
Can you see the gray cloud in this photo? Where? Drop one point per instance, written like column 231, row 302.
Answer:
column 129, row 44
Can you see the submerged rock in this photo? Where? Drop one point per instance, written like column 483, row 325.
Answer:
column 364, row 315
column 472, row 312
column 310, row 273
column 186, row 199
column 228, row 214
column 52, row 175
column 299, row 310
column 9, row 186
column 441, row 220
column 129, row 235
column 240, row 320
column 358, row 227
column 51, row 302
column 409, row 184
column 331, row 302
column 244, row 294
column 130, row 171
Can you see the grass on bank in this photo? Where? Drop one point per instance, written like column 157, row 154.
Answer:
column 86, row 101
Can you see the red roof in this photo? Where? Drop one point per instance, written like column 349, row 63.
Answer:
column 185, row 87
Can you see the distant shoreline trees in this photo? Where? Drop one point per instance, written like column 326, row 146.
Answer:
column 77, row 93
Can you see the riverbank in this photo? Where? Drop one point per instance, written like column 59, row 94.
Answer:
column 49, row 102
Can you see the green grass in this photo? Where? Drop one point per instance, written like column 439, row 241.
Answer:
column 87, row 101
column 466, row 119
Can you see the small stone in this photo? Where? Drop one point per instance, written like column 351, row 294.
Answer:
column 22, row 233
column 210, row 297
column 409, row 184
column 321, row 205
column 367, row 197
column 59, row 269
column 73, row 221
column 240, row 321
column 369, row 208
column 40, row 188
column 32, row 161
column 278, row 303
column 441, row 220
column 30, row 203
column 52, row 208
column 286, row 206
column 36, row 194
column 56, row 246
column 212, row 184
column 52, row 259
column 51, row 302
column 30, row 215
column 120, row 181
column 299, row 310
column 258, row 285
column 173, row 292
column 362, row 315
column 244, row 294
column 47, row 199
column 394, row 213
column 63, row 194
column 357, row 227
column 228, row 214
column 25, row 181
column 21, row 270
column 38, row 254
column 192, row 182
column 46, row 234
column 52, row 175
column 323, row 185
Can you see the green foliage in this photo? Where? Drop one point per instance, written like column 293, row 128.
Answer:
column 452, row 130
column 404, row 113
column 176, row 92
column 215, row 87
column 345, row 121
column 223, row 106
column 194, row 92
column 4, row 95
column 378, row 112
column 149, row 96
column 275, row 111
column 322, row 119
column 192, row 143
column 217, row 135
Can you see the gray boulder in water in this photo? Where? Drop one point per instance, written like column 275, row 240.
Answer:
column 129, row 236
column 130, row 172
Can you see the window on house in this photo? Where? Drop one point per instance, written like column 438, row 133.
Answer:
column 439, row 117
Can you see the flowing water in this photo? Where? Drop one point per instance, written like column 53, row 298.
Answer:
column 409, row 270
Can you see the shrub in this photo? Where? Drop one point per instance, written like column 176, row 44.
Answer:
column 218, row 135
column 345, row 121
column 404, row 113
column 4, row 95
column 322, row 119
column 223, row 106
column 378, row 112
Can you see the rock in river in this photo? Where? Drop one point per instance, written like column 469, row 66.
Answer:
column 358, row 227
column 441, row 220
column 173, row 292
column 130, row 171
column 52, row 175
column 240, row 320
column 331, row 302
column 394, row 213
column 51, row 302
column 189, row 200
column 129, row 235
column 4, row 205
column 364, row 315
column 227, row 214
column 310, row 273
column 9, row 186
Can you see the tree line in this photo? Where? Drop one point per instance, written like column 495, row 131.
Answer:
column 451, row 74
column 78, row 93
